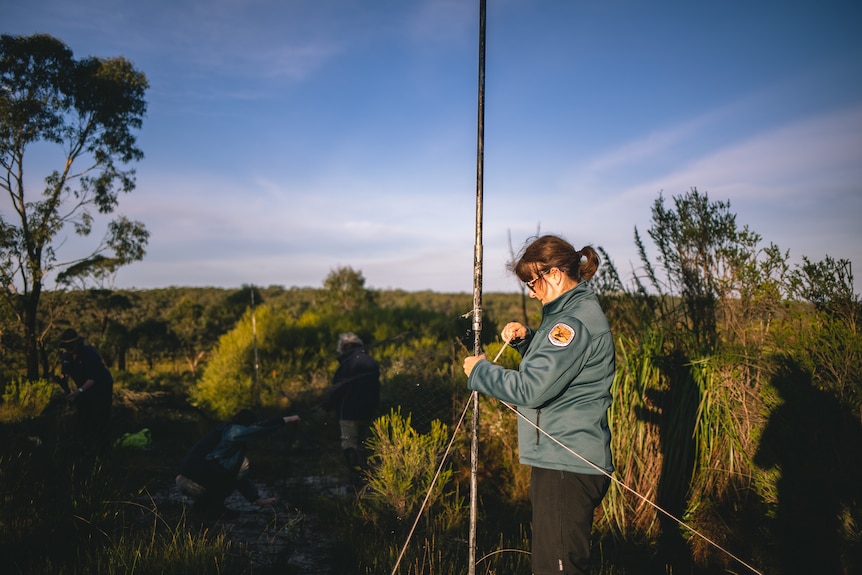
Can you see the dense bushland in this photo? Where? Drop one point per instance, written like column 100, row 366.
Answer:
column 737, row 396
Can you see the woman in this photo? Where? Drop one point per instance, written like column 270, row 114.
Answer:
column 562, row 389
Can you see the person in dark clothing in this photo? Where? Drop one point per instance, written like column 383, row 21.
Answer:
column 216, row 465
column 354, row 396
column 93, row 393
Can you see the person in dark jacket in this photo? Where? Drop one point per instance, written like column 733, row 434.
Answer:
column 93, row 393
column 216, row 465
column 355, row 398
column 562, row 390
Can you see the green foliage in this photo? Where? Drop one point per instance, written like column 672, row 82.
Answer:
column 727, row 411
column 827, row 342
column 105, row 533
column 228, row 382
column 404, row 473
column 700, row 250
column 828, row 285
column 681, row 439
column 501, row 474
column 755, row 298
column 24, row 399
column 152, row 337
column 634, row 438
column 296, row 355
column 344, row 290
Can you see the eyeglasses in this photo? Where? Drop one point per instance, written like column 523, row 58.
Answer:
column 533, row 281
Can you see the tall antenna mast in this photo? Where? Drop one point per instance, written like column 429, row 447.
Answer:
column 477, row 288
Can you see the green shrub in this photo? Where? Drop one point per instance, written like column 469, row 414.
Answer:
column 24, row 399
column 228, row 380
column 404, row 466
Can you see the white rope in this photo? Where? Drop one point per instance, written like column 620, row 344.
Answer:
column 499, row 353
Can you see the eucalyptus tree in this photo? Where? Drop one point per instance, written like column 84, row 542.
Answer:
column 90, row 110
column 344, row 290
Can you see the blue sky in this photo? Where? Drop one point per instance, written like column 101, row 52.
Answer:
column 285, row 138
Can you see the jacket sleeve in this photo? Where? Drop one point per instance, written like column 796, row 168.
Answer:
column 546, row 370
column 241, row 433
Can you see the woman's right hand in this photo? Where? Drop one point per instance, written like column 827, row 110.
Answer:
column 513, row 331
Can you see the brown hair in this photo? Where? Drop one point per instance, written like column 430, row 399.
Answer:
column 548, row 252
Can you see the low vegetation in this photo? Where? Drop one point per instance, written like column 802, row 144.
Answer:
column 737, row 394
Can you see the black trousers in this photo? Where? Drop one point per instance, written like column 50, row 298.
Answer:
column 563, row 506
column 94, row 417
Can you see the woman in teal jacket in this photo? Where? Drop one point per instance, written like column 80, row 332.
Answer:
column 562, row 391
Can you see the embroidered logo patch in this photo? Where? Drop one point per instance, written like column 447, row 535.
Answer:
column 561, row 335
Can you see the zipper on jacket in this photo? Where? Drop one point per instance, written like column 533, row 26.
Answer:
column 538, row 415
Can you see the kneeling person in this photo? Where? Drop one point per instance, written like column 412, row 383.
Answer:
column 216, row 465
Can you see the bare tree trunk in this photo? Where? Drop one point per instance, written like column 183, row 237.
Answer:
column 31, row 344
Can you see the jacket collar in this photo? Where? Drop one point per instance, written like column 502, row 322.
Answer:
column 580, row 291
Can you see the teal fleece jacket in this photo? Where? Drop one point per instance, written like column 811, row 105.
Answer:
column 563, row 385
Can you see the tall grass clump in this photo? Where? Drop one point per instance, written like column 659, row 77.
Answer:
column 130, row 548
column 164, row 548
column 634, row 438
column 723, row 467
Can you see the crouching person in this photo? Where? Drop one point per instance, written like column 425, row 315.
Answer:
column 216, row 465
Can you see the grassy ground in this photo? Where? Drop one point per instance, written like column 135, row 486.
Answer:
column 60, row 506
column 64, row 513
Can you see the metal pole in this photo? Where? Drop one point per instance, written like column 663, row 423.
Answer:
column 477, row 288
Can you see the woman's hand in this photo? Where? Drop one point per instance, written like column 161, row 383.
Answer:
column 291, row 419
column 470, row 361
column 513, row 331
